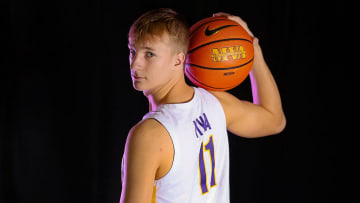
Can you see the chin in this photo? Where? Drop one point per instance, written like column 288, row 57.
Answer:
column 139, row 86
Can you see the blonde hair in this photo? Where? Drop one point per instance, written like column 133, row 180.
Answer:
column 155, row 23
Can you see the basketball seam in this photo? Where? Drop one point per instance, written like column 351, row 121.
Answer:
column 193, row 77
column 229, row 39
column 209, row 68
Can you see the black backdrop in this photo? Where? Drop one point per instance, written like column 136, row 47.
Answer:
column 67, row 102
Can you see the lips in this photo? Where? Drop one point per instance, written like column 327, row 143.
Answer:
column 136, row 77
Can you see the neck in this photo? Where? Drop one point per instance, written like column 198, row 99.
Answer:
column 171, row 93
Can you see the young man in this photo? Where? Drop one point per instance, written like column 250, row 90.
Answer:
column 179, row 151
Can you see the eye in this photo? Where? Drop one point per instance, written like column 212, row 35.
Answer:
column 150, row 54
column 132, row 52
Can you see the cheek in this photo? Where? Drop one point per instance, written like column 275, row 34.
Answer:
column 164, row 68
column 158, row 72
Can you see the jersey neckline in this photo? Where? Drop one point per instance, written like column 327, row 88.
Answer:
column 184, row 104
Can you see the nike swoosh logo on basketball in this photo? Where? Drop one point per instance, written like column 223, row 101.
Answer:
column 213, row 31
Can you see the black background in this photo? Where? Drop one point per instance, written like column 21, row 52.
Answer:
column 67, row 102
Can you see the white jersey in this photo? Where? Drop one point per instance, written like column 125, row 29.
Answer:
column 200, row 169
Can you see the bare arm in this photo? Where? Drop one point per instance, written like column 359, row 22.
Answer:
column 265, row 115
column 142, row 159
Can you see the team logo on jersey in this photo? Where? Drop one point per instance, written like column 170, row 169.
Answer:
column 203, row 122
column 228, row 53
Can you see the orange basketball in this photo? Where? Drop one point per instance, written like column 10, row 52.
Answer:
column 220, row 54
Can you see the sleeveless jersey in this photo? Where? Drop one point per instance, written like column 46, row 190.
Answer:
column 200, row 168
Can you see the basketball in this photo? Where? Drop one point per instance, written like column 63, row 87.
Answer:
column 220, row 54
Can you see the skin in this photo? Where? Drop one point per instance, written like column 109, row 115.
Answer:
column 157, row 70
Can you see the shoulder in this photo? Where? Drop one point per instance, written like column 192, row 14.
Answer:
column 147, row 126
column 147, row 136
column 148, row 129
column 233, row 107
column 220, row 96
column 225, row 98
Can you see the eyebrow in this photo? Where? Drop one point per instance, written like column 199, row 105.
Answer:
column 147, row 48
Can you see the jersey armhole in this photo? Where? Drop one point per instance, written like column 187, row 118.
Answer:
column 172, row 141
column 220, row 105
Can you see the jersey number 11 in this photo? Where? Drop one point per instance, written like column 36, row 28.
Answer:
column 209, row 146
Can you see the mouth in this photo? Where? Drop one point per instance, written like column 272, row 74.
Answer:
column 135, row 77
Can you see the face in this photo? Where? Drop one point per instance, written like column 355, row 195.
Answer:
column 152, row 63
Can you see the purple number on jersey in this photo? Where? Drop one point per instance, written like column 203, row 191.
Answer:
column 203, row 180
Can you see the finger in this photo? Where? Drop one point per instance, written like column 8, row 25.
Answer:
column 237, row 19
column 221, row 14
column 242, row 23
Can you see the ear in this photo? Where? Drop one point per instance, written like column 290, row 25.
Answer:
column 179, row 60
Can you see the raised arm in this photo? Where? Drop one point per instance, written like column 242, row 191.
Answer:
column 265, row 115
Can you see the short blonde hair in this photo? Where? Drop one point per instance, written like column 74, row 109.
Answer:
column 155, row 23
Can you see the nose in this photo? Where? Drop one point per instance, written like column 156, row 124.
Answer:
column 135, row 62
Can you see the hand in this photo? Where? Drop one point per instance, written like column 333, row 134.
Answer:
column 241, row 22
